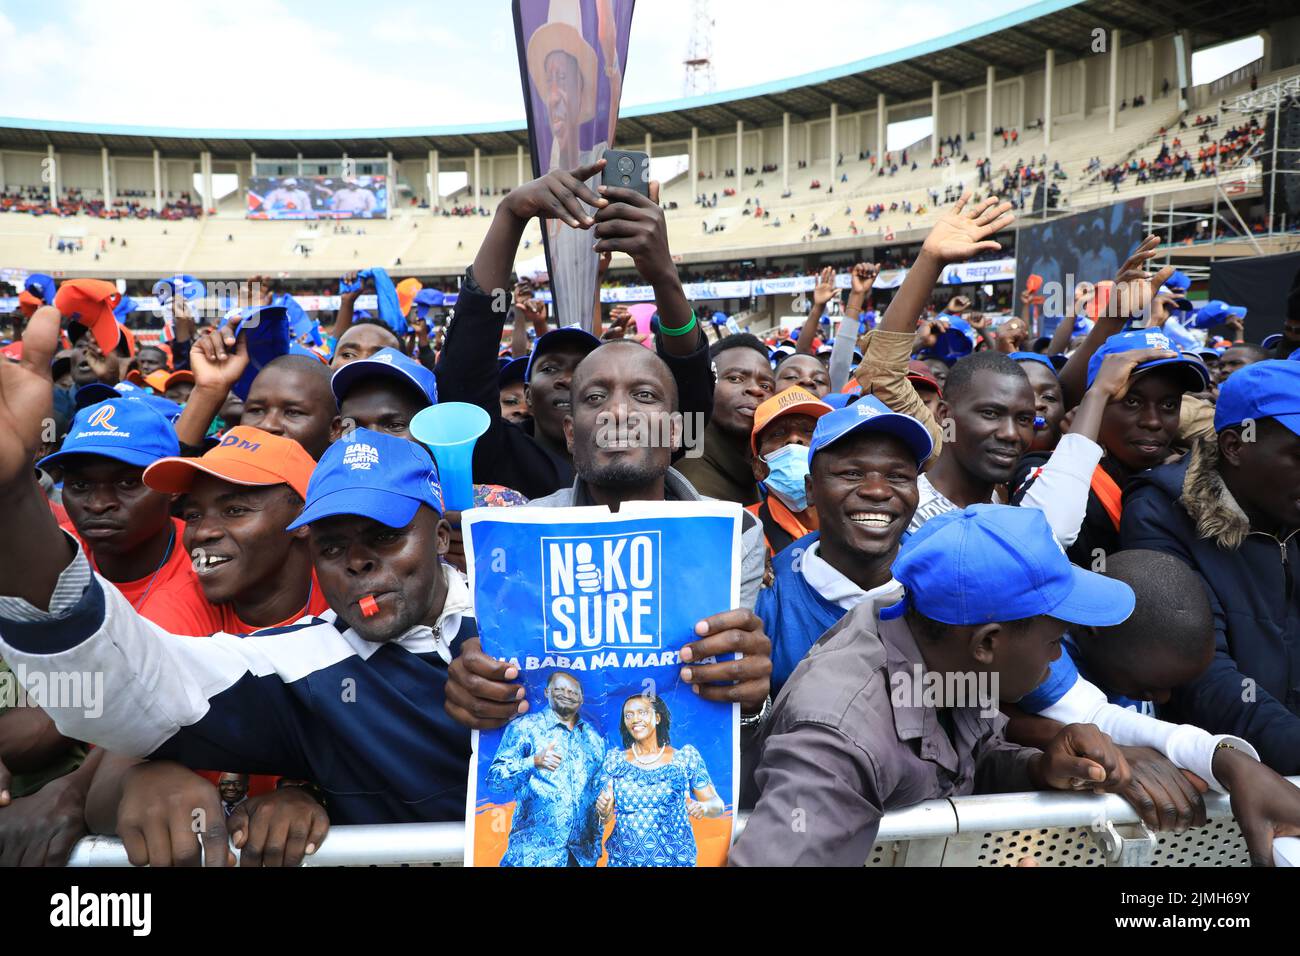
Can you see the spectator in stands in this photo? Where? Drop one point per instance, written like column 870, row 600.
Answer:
column 862, row 488
column 804, row 371
column 126, row 528
column 847, row 766
column 1229, row 510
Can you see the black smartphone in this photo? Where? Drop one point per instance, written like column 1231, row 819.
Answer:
column 627, row 169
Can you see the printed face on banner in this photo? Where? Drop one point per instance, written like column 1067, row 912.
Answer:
column 572, row 56
column 617, row 762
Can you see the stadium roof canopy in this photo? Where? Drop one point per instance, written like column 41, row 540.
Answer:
column 1014, row 44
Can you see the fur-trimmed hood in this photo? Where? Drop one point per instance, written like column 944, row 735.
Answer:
column 1208, row 501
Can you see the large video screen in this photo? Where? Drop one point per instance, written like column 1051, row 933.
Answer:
column 317, row 197
column 1086, row 247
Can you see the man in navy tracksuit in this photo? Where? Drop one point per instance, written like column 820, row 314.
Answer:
column 352, row 700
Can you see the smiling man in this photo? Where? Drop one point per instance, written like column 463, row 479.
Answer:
column 235, row 503
column 991, row 407
column 549, row 762
column 863, row 467
column 616, row 387
column 532, row 457
column 1127, row 422
column 852, row 736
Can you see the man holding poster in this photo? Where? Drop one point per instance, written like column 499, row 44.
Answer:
column 602, row 590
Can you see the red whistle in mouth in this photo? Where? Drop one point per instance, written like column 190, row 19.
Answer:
column 369, row 606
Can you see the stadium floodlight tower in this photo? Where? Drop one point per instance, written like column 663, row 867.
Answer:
column 699, row 51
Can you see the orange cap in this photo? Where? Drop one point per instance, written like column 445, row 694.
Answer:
column 407, row 290
column 28, row 303
column 90, row 302
column 184, row 375
column 793, row 401
column 246, row 456
column 157, row 380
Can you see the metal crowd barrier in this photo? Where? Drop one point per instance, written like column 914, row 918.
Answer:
column 1052, row 828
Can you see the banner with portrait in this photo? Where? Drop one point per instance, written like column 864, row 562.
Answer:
column 572, row 54
column 616, row 762
column 1086, row 247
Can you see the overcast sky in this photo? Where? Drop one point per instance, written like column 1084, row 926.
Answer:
column 280, row 64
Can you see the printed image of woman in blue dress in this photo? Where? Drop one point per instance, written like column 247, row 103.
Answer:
column 653, row 790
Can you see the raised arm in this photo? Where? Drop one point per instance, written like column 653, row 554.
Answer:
column 1133, row 291
column 823, row 292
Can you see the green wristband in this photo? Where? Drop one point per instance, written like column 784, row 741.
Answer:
column 682, row 331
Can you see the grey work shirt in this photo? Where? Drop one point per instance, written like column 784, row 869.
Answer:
column 838, row 751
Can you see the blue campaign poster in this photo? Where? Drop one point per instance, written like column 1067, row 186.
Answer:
column 617, row 762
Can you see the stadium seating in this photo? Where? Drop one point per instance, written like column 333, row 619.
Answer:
column 228, row 245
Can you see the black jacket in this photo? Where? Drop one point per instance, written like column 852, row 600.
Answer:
column 507, row 454
column 1252, row 689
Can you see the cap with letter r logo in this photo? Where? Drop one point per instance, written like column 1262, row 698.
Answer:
column 102, row 417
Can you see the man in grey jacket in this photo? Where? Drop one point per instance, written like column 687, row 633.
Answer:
column 621, row 432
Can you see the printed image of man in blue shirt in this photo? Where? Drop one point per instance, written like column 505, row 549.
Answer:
column 549, row 762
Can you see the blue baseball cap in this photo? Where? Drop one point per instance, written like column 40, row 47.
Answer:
column 1271, row 340
column 40, row 285
column 1268, row 389
column 372, row 475
column 512, row 371
column 122, row 429
column 869, row 413
column 838, row 399
column 990, row 563
column 556, row 338
column 1216, row 312
column 427, row 299
column 1193, row 373
column 266, row 328
column 1178, row 282
column 1038, row 357
column 386, row 363
column 1294, row 356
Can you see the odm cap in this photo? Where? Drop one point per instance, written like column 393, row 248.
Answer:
column 375, row 476
column 245, row 456
column 869, row 413
column 992, row 563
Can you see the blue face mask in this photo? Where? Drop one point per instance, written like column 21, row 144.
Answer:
column 788, row 468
